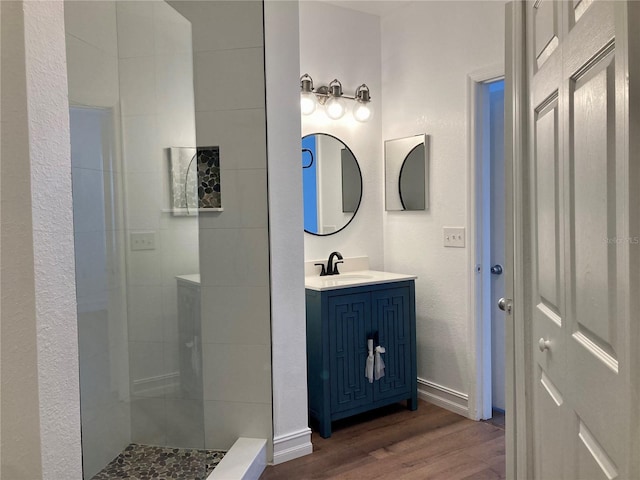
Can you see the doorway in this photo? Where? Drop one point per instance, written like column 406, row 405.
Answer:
column 494, row 204
column 489, row 252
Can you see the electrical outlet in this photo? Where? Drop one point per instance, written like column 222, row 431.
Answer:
column 453, row 237
column 143, row 240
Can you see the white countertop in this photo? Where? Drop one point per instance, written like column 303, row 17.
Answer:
column 353, row 279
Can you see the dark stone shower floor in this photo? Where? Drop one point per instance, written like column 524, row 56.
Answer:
column 145, row 462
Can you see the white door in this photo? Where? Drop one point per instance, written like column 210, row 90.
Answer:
column 580, row 260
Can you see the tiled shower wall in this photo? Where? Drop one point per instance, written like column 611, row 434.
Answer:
column 230, row 112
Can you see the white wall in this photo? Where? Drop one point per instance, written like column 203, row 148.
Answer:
column 21, row 450
column 428, row 49
column 336, row 42
column 292, row 436
column 40, row 404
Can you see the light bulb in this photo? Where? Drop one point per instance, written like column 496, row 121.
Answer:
column 362, row 112
column 335, row 108
column 307, row 103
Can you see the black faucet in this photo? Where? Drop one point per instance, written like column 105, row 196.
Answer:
column 332, row 268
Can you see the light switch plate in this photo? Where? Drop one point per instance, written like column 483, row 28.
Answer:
column 143, row 240
column 454, row 237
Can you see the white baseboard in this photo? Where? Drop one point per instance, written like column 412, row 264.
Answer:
column 293, row 445
column 246, row 460
column 444, row 397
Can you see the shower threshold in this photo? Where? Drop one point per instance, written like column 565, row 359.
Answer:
column 147, row 462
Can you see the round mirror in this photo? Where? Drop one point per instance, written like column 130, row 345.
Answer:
column 332, row 184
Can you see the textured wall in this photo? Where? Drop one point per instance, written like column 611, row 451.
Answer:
column 428, row 49
column 339, row 43
column 47, row 228
column 291, row 433
column 21, row 457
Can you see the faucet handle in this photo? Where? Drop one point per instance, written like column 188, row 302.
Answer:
column 335, row 267
column 323, row 272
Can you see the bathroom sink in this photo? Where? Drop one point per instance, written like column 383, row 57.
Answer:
column 351, row 276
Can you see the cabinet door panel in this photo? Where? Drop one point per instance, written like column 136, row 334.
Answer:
column 349, row 324
column 392, row 320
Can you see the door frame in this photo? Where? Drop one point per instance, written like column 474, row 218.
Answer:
column 518, row 459
column 517, row 441
column 479, row 297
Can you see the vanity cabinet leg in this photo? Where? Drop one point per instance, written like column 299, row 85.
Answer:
column 324, row 428
column 412, row 403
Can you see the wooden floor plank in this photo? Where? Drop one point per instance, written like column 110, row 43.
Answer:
column 395, row 443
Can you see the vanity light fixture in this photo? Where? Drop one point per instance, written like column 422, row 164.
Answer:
column 363, row 109
column 307, row 97
column 333, row 99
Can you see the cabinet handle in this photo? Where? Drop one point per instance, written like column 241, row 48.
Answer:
column 369, row 365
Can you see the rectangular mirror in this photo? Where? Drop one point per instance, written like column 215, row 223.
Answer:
column 406, row 173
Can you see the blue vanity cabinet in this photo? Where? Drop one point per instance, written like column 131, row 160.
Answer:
column 339, row 322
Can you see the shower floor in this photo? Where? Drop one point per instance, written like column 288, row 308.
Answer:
column 146, row 462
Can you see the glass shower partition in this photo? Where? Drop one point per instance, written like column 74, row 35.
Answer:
column 132, row 117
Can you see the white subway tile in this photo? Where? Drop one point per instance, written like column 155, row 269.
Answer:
column 240, row 134
column 92, row 75
column 229, row 79
column 135, row 29
column 237, row 372
column 94, row 23
column 236, row 315
column 141, row 145
column 137, row 86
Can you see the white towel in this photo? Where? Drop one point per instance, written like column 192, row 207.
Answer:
column 379, row 363
column 368, row 369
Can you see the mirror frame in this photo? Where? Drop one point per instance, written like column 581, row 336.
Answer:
column 355, row 212
column 419, row 139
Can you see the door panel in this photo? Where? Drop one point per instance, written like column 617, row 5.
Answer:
column 593, row 461
column 592, row 111
column 579, row 7
column 549, row 404
column 349, row 325
column 545, row 30
column 580, row 410
column 547, row 209
column 392, row 320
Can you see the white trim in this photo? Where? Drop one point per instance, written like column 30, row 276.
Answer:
column 445, row 397
column 516, row 150
column 246, row 460
column 479, row 355
column 291, row 446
